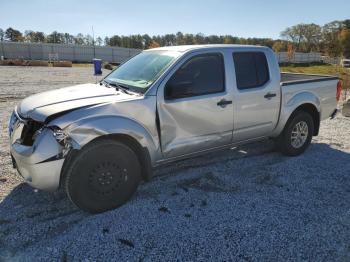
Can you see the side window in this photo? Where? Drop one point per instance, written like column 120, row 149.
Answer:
column 200, row 75
column 251, row 69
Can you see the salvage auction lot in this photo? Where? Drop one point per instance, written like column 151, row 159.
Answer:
column 249, row 203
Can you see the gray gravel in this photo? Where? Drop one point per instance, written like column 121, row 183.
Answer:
column 247, row 204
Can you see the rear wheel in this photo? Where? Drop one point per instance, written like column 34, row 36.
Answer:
column 297, row 134
column 103, row 176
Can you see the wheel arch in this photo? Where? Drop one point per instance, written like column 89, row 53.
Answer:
column 310, row 109
column 141, row 153
column 304, row 101
column 122, row 129
column 315, row 114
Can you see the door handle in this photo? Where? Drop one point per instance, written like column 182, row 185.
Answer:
column 224, row 103
column 269, row 95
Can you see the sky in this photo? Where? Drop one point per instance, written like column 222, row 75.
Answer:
column 243, row 18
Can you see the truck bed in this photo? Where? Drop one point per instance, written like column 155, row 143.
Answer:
column 296, row 78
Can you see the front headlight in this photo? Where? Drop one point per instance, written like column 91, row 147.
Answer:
column 12, row 122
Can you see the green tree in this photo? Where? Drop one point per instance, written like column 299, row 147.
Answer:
column 79, row 39
column 345, row 42
column 99, row 41
column 13, row 35
column 169, row 40
column 68, row 38
column 179, row 38
column 55, row 37
column 331, row 44
column 28, row 36
column 229, row 39
column 294, row 34
column 147, row 40
column 34, row 37
column 305, row 37
column 39, row 37
column 279, row 46
column 88, row 40
column 106, row 40
column 312, row 37
column 346, row 23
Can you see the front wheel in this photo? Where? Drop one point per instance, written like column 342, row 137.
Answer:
column 103, row 176
column 297, row 134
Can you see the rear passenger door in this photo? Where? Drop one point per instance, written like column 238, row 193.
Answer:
column 257, row 96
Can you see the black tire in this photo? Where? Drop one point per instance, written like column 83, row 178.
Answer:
column 103, row 176
column 286, row 144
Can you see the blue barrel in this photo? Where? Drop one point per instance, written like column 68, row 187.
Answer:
column 97, row 66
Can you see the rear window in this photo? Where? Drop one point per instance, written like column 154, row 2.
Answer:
column 251, row 69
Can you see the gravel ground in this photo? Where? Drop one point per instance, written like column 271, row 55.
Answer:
column 245, row 204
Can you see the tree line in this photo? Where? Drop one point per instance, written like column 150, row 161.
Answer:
column 29, row 36
column 332, row 39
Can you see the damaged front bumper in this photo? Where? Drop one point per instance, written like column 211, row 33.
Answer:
column 39, row 163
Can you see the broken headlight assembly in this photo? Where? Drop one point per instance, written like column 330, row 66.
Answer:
column 62, row 138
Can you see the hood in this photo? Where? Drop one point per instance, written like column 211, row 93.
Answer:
column 43, row 105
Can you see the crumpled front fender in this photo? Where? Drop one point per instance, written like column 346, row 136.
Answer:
column 86, row 130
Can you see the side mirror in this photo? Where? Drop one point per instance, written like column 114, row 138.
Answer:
column 181, row 89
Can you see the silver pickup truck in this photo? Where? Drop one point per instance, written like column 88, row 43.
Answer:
column 98, row 141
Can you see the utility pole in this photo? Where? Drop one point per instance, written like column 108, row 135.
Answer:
column 93, row 40
column 2, row 48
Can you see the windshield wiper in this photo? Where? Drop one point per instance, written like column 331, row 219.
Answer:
column 117, row 86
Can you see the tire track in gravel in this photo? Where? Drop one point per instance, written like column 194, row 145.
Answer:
column 14, row 97
column 210, row 173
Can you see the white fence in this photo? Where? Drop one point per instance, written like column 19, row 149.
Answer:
column 77, row 53
column 331, row 60
column 297, row 57
column 283, row 57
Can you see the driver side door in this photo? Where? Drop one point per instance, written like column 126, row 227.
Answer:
column 195, row 109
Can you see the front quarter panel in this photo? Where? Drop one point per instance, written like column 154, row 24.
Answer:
column 88, row 129
column 134, row 118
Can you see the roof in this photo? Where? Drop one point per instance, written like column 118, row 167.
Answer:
column 184, row 48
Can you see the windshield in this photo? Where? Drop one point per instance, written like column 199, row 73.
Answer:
column 142, row 70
